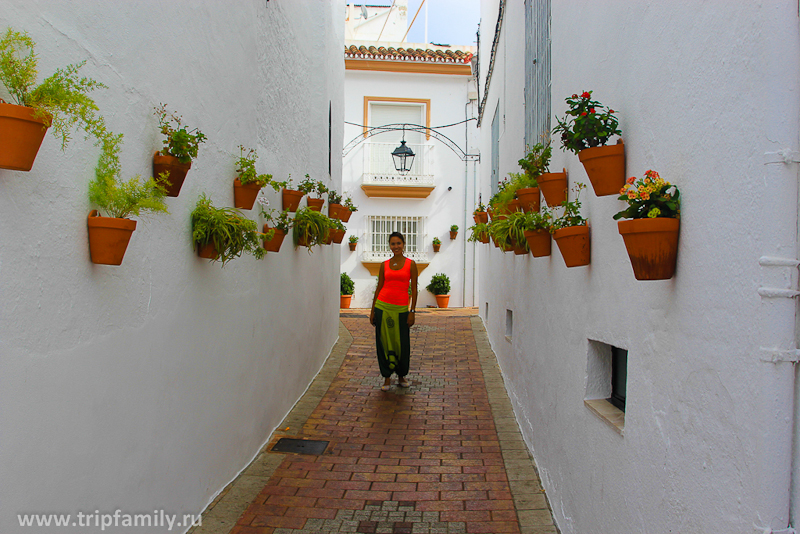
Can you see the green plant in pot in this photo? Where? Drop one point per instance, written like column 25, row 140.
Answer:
column 248, row 183
column 538, row 225
column 276, row 227
column 453, row 231
column 180, row 148
column 224, row 233
column 571, row 231
column 440, row 287
column 337, row 230
column 346, row 289
column 61, row 101
column 349, row 208
column 534, row 165
column 509, row 232
column 335, row 207
column 353, row 242
column 479, row 232
column 436, row 244
column 109, row 235
column 311, row 228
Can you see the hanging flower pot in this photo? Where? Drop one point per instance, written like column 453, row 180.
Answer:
column 244, row 195
column 528, row 199
column 344, row 214
column 108, row 238
column 352, row 246
column 207, row 251
column 520, row 249
column 21, row 135
column 335, row 211
column 274, row 244
column 539, row 242
column 574, row 244
column 652, row 246
column 453, row 235
column 442, row 301
column 605, row 166
column 480, row 217
column 329, row 239
column 176, row 170
column 338, row 235
column 344, row 301
column 291, row 199
column 315, row 203
column 490, row 212
column 554, row 187
column 514, row 205
column 436, row 247
column 484, row 238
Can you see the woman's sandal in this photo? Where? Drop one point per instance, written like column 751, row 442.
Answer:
column 403, row 383
column 386, row 387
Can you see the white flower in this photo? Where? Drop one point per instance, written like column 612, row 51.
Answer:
column 263, row 201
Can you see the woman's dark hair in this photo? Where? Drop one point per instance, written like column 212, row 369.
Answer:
column 397, row 234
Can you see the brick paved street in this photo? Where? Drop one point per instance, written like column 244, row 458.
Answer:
column 443, row 456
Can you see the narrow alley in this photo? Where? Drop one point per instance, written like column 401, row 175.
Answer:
column 444, row 456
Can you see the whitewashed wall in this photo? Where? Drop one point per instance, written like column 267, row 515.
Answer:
column 704, row 91
column 151, row 385
column 443, row 208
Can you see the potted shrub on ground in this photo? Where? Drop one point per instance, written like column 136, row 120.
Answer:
column 276, row 228
column 249, row 183
column 223, row 233
column 440, row 287
column 353, row 242
column 480, row 215
column 437, row 243
column 349, row 208
column 109, row 236
column 61, row 101
column 537, row 232
column 572, row 233
column 453, row 231
column 585, row 131
column 335, row 208
column 180, row 148
column 651, row 233
column 479, row 233
column 311, row 228
column 346, row 288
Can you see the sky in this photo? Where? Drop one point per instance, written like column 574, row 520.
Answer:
column 452, row 22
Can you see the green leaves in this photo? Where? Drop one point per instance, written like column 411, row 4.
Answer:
column 572, row 211
column 536, row 161
column 180, row 142
column 18, row 69
column 346, row 284
column 587, row 123
column 439, row 285
column 311, row 227
column 231, row 232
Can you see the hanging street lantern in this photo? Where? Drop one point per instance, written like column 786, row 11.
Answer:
column 403, row 158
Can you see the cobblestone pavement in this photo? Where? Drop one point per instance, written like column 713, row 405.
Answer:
column 444, row 456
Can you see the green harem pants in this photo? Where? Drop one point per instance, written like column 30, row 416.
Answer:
column 392, row 339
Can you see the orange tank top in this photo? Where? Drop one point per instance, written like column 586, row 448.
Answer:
column 395, row 284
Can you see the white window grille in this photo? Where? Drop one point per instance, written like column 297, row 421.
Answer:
column 379, row 227
column 379, row 165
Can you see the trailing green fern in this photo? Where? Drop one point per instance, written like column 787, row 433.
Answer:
column 231, row 232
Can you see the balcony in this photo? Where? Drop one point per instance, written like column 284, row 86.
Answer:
column 382, row 180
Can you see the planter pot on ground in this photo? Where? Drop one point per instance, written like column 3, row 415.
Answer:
column 335, row 211
column 344, row 301
column 21, row 136
column 574, row 244
column 605, row 166
column 442, row 301
column 108, row 238
column 208, row 251
column 244, row 195
column 480, row 217
column 453, row 234
column 554, row 187
column 352, row 246
column 652, row 246
column 528, row 199
column 176, row 170
column 315, row 203
column 344, row 214
column 539, row 242
column 338, row 236
column 291, row 199
column 274, row 244
column 437, row 247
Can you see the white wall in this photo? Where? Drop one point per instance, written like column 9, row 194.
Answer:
column 152, row 384
column 703, row 92
column 443, row 208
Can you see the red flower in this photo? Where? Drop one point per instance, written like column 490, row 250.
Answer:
column 583, row 114
column 611, row 111
column 574, row 96
column 591, row 110
column 586, row 94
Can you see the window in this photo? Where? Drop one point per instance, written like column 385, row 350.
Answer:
column 537, row 70
column 379, row 227
column 606, row 383
column 330, row 137
column 619, row 377
column 509, row 325
column 495, row 150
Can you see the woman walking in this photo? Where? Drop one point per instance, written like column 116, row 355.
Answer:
column 391, row 315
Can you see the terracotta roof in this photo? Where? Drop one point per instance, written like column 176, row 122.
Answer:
column 448, row 55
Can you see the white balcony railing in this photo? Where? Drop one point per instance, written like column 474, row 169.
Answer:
column 379, row 166
column 380, row 226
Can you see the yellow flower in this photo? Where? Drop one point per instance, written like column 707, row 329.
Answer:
column 632, row 194
column 645, row 195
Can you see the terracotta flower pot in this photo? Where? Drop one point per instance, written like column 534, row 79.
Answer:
column 574, row 244
column 344, row 301
column 108, row 238
column 244, row 195
column 480, row 217
column 329, row 238
column 442, row 301
column 605, row 166
column 490, row 213
column 484, row 237
column 208, row 251
column 453, row 234
column 315, row 203
column 335, row 211
column 21, row 135
column 344, row 214
column 514, row 205
column 436, row 247
column 176, row 170
column 554, row 187
column 274, row 244
column 291, row 199
column 528, row 199
column 352, row 246
column 652, row 246
column 338, row 236
column 520, row 249
column 539, row 242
